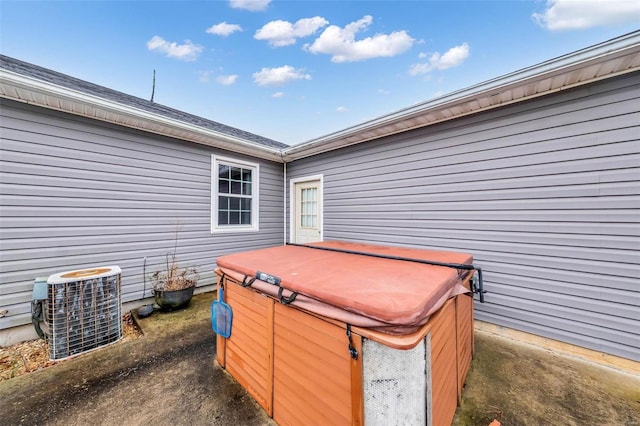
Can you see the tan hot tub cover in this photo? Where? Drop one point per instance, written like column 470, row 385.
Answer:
column 393, row 296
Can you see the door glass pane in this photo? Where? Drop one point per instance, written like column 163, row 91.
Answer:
column 308, row 207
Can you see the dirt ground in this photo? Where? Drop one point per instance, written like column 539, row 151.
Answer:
column 167, row 377
column 27, row 357
column 522, row 385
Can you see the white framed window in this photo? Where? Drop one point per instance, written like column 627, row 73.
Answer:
column 234, row 195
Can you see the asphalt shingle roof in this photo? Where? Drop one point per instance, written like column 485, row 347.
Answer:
column 50, row 76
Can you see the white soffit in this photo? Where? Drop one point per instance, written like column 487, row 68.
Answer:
column 612, row 58
column 33, row 91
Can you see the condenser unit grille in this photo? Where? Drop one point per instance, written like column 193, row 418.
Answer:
column 83, row 310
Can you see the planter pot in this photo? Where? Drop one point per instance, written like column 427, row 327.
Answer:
column 174, row 299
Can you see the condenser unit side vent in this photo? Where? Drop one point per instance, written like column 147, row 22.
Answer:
column 83, row 310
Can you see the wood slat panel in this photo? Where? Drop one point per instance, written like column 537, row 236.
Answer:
column 444, row 365
column 248, row 356
column 312, row 370
column 357, row 387
column 464, row 341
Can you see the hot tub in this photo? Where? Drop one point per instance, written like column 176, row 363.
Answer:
column 345, row 333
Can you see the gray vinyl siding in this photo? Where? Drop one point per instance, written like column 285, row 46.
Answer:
column 77, row 193
column 545, row 194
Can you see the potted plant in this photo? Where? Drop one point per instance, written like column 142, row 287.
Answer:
column 173, row 286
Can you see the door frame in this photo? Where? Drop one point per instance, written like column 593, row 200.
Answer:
column 293, row 201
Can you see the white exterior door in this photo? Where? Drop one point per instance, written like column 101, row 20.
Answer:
column 306, row 211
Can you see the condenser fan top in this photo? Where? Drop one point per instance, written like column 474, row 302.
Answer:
column 83, row 274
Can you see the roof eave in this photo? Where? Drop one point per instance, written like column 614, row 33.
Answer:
column 615, row 57
column 33, row 91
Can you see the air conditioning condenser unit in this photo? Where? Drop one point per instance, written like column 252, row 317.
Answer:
column 83, row 310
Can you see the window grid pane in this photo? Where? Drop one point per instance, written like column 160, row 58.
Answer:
column 234, row 180
column 235, row 195
column 223, row 172
column 308, row 208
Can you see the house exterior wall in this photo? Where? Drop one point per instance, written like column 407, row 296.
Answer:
column 543, row 193
column 77, row 193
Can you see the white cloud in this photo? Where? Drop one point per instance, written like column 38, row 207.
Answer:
column 341, row 44
column 223, row 29
column 226, row 80
column 342, row 109
column 384, row 91
column 422, row 55
column 277, row 76
column 278, row 95
column 452, row 58
column 284, row 33
column 582, row 14
column 252, row 5
column 185, row 52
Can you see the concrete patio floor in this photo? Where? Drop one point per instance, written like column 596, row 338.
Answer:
column 167, row 377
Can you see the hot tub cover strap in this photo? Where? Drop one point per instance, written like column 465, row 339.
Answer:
column 477, row 288
column 352, row 350
column 360, row 284
column 247, row 281
column 286, row 300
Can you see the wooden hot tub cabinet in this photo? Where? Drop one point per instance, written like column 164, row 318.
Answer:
column 298, row 365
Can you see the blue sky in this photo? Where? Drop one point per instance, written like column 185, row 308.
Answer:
column 296, row 70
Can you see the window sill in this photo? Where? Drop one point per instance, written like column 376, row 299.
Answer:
column 238, row 229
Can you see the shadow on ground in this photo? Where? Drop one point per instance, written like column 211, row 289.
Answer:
column 523, row 385
column 167, row 377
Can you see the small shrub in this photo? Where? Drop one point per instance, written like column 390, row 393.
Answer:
column 174, row 277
